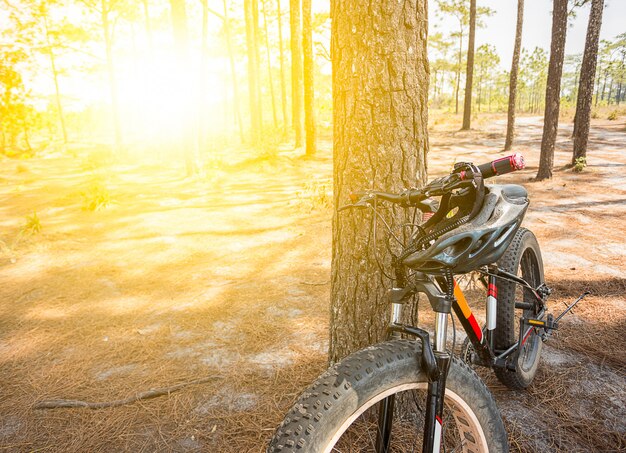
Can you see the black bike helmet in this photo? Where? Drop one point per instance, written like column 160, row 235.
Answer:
column 479, row 241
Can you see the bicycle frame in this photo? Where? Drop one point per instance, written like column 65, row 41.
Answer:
column 445, row 295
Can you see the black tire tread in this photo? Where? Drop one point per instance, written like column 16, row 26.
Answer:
column 504, row 333
column 316, row 405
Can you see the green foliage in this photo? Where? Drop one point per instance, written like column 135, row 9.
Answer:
column 580, row 164
column 32, row 225
column 612, row 116
column 96, row 196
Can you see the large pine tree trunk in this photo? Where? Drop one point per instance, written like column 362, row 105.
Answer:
column 380, row 95
column 469, row 74
column 510, row 125
column 553, row 89
column 307, row 51
column 587, row 75
column 296, row 69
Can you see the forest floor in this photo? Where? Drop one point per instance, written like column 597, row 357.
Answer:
column 227, row 276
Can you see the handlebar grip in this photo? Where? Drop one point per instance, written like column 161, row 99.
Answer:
column 502, row 166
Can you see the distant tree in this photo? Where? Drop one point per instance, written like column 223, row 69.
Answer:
column 309, row 69
column 283, row 77
column 459, row 10
column 184, row 118
column 553, row 89
column 380, row 141
column 603, row 61
column 487, row 62
column 296, row 69
column 253, row 72
column 35, row 28
column 535, row 65
column 469, row 72
column 620, row 68
column 233, row 72
column 510, row 125
column 147, row 24
column 15, row 110
column 270, row 78
column 439, row 61
column 582, row 118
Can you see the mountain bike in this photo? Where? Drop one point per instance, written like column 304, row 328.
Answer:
column 412, row 393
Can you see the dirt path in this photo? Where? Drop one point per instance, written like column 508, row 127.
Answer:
column 228, row 275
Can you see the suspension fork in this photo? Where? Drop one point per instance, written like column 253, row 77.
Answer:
column 435, row 361
column 437, row 387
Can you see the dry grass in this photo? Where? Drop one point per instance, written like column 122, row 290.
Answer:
column 181, row 279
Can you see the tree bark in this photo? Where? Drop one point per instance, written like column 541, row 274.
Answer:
column 469, row 74
column 296, row 69
column 510, row 125
column 283, row 76
column 585, row 87
column 380, row 117
column 553, row 89
column 309, row 92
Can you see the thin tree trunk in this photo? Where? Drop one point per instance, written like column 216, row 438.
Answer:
column 283, row 75
column 146, row 13
column 510, row 125
column 269, row 65
column 55, row 76
column 233, row 72
column 458, row 72
column 255, row 114
column 480, row 90
column 585, row 88
column 204, row 61
column 257, row 51
column 469, row 73
column 553, row 89
column 309, row 69
column 296, row 69
column 187, row 120
column 380, row 141
column 108, row 42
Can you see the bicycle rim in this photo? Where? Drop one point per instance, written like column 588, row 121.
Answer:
column 461, row 429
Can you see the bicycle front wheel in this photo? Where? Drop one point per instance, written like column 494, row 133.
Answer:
column 339, row 412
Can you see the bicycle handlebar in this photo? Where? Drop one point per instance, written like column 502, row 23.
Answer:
column 440, row 186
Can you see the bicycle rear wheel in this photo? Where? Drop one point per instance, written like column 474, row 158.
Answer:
column 523, row 258
column 339, row 412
